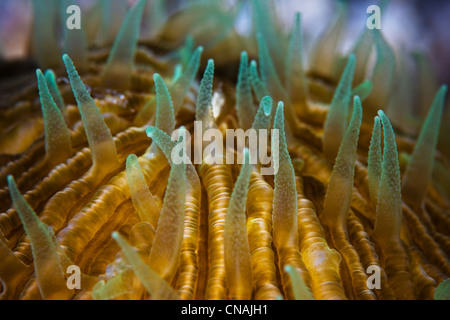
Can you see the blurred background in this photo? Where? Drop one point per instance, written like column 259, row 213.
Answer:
column 415, row 25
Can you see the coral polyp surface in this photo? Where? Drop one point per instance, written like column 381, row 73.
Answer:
column 337, row 188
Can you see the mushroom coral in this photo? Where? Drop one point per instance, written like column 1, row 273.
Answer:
column 88, row 175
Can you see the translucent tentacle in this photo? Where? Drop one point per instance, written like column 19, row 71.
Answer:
column 47, row 264
column 238, row 264
column 165, row 252
column 50, row 78
column 418, row 173
column 99, row 136
column 204, row 112
column 142, row 198
column 336, row 122
column 374, row 162
column 165, row 116
column 339, row 192
column 244, row 98
column 155, row 285
column 57, row 136
column 118, row 69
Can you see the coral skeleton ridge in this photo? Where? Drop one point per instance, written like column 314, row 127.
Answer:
column 88, row 177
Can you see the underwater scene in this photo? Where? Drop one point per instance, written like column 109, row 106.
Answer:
column 224, row 150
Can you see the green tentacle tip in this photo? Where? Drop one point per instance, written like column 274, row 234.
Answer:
column 283, row 155
column 238, row 263
column 301, row 291
column 337, row 118
column 258, row 86
column 180, row 87
column 120, row 64
column 50, row 78
column 374, row 161
column 57, row 136
column 165, row 116
column 187, row 50
column 80, row 91
column 150, row 131
column 268, row 72
column 239, row 195
column 339, row 192
column 99, row 136
column 295, row 78
column 389, row 205
column 204, row 110
column 279, row 124
column 24, row 210
column 279, row 117
column 263, row 116
column 421, row 165
column 363, row 90
column 47, row 265
column 285, row 206
column 38, row 231
column 163, row 141
column 442, row 292
column 383, row 75
column 244, row 99
column 267, row 103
